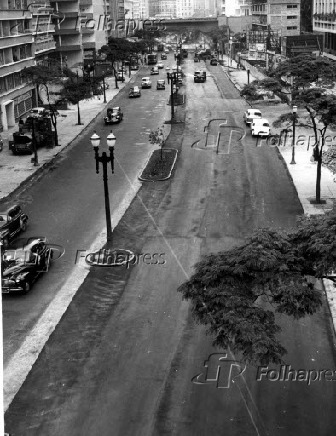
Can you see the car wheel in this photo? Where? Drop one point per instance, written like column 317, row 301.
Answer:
column 26, row 287
column 23, row 226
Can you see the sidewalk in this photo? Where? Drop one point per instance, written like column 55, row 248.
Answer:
column 302, row 173
column 15, row 170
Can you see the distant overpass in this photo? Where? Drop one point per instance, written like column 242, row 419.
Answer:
column 190, row 24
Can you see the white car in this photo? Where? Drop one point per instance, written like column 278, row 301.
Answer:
column 146, row 82
column 260, row 127
column 250, row 115
column 160, row 65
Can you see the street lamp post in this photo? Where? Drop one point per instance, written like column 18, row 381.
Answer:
column 35, row 158
column 172, row 78
column 293, row 145
column 104, row 90
column 104, row 160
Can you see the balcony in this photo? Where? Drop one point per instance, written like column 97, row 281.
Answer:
column 89, row 45
column 16, row 67
column 13, row 40
column 70, row 47
column 42, row 46
column 66, row 31
column 15, row 14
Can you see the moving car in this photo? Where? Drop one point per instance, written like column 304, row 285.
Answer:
column 134, row 67
column 36, row 111
column 160, row 65
column 199, row 76
column 146, row 82
column 250, row 114
column 155, row 70
column 113, row 115
column 23, row 264
column 260, row 127
column 213, row 61
column 134, row 92
column 160, row 84
column 163, row 56
column 12, row 221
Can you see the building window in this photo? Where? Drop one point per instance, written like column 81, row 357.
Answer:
column 291, row 17
column 291, row 27
column 292, row 6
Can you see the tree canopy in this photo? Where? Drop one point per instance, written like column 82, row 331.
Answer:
column 237, row 293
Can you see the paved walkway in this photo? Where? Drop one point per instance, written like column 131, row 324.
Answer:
column 303, row 172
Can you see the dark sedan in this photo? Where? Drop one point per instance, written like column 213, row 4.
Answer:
column 23, row 264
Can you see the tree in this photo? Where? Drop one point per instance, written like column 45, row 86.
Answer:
column 237, row 293
column 75, row 91
column 307, row 71
column 46, row 75
column 157, row 137
column 321, row 109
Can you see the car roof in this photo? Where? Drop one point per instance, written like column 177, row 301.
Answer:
column 26, row 243
column 145, row 78
column 135, row 87
column 116, row 108
column 5, row 211
column 160, row 81
column 252, row 111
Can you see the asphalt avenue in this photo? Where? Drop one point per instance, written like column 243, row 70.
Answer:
column 126, row 357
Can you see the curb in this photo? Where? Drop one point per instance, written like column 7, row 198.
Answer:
column 329, row 290
column 170, row 172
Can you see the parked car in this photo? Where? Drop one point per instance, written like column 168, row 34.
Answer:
column 160, row 65
column 113, row 115
column 22, row 143
column 155, row 70
column 36, row 111
column 23, row 264
column 134, row 92
column 160, row 84
column 12, row 221
column 260, row 127
column 121, row 76
column 146, row 82
column 213, row 61
column 250, row 114
column 163, row 56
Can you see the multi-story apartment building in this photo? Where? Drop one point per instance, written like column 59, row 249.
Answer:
column 185, row 8
column 237, row 8
column 282, row 16
column 16, row 53
column 324, row 21
column 43, row 30
column 162, row 8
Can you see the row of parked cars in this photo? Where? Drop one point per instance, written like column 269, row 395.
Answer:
column 23, row 260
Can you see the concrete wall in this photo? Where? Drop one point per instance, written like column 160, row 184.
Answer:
column 236, row 24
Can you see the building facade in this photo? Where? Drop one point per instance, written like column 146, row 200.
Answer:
column 16, row 53
column 324, row 21
column 282, row 16
column 185, row 8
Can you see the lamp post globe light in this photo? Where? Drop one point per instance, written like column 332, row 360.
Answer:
column 293, row 144
column 120, row 256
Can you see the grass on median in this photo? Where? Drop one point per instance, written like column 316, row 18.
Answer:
column 160, row 165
